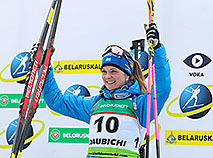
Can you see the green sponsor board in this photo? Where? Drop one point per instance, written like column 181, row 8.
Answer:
column 13, row 101
column 68, row 135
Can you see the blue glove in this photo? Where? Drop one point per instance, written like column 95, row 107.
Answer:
column 152, row 34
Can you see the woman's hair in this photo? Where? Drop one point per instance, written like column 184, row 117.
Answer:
column 137, row 74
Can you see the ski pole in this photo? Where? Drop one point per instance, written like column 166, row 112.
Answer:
column 137, row 44
column 151, row 80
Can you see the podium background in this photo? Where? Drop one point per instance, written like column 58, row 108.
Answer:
column 85, row 29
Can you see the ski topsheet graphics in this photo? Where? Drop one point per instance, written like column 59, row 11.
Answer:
column 40, row 57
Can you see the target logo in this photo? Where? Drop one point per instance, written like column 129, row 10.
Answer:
column 4, row 100
column 55, row 134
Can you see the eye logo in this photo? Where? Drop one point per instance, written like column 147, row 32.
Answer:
column 194, row 98
column 197, row 60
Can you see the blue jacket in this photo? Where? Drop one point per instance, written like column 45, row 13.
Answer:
column 79, row 107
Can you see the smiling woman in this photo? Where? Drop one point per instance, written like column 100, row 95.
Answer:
column 113, row 77
column 123, row 68
column 116, row 116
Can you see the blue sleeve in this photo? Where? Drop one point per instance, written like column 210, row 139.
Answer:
column 78, row 107
column 163, row 85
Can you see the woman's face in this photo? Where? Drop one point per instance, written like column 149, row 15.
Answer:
column 113, row 77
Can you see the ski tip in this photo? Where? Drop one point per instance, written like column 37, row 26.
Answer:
column 12, row 155
column 19, row 154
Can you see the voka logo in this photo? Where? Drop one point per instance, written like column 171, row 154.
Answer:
column 197, row 61
column 195, row 97
column 55, row 134
column 4, row 100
